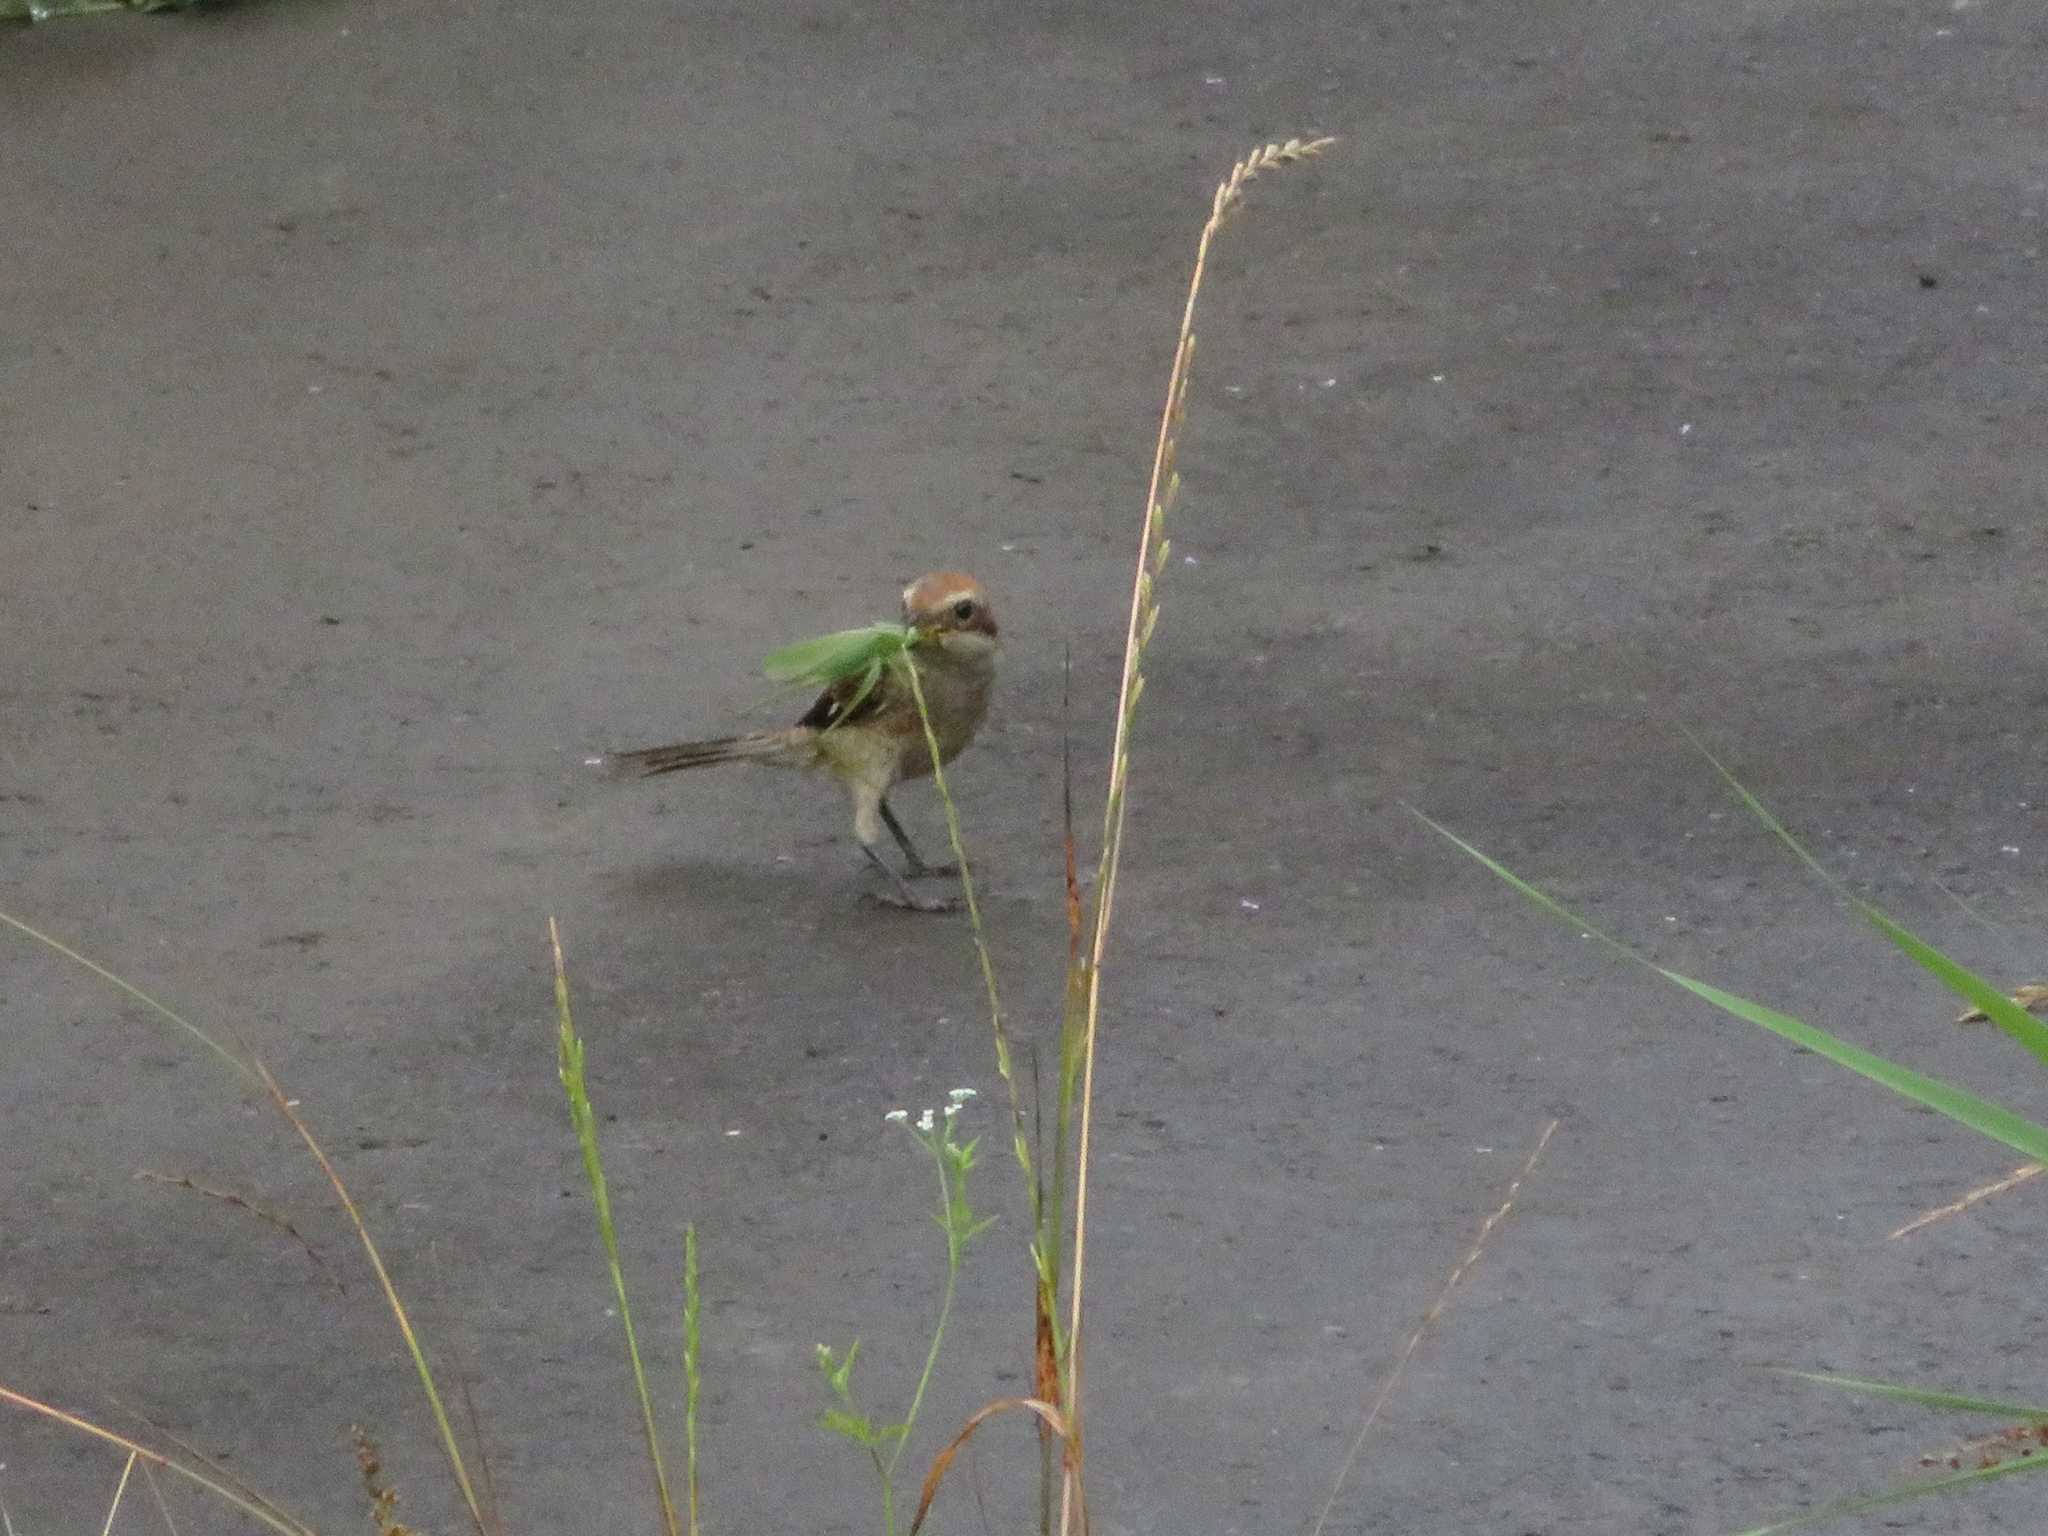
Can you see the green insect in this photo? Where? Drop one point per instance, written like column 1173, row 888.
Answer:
column 825, row 661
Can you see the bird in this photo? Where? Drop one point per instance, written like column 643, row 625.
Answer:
column 2033, row 997
column 865, row 731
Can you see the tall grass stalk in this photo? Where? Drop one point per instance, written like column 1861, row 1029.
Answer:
column 1057, row 1350
column 1020, row 1143
column 251, row 1069
column 1045, row 1219
column 1153, row 548
column 1436, row 1310
column 569, row 1056
column 120, row 1491
column 156, row 1493
column 263, row 1511
column 693, row 1380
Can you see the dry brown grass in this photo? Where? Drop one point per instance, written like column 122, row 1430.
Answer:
column 1058, row 1375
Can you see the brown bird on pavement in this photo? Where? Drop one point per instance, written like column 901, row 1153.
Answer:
column 869, row 736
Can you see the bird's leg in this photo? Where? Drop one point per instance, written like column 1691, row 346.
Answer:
column 914, row 866
column 899, row 892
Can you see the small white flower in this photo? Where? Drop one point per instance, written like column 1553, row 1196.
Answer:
column 924, row 1121
column 897, row 1116
column 960, row 1095
column 952, row 1110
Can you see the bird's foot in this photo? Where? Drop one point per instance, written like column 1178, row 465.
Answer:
column 895, row 890
column 907, row 900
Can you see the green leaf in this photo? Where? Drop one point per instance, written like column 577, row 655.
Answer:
column 854, row 1426
column 1930, row 1397
column 828, row 659
column 1980, row 1115
column 1900, row 1495
column 2002, row 1010
column 1965, row 1108
column 1965, row 983
column 839, row 1373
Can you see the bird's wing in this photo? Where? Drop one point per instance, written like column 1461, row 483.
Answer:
column 852, row 700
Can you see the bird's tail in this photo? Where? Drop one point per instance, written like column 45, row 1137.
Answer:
column 759, row 746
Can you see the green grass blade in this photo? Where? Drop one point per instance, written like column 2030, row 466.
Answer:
column 1899, row 1495
column 1980, row 1115
column 1965, row 983
column 1951, row 1401
column 569, row 1058
column 1542, row 899
column 1020, row 1144
column 827, row 659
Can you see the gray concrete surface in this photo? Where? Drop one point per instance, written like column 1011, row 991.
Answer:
column 399, row 400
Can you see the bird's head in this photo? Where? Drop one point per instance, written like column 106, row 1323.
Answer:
column 948, row 603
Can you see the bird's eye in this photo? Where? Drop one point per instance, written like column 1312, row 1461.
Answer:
column 964, row 609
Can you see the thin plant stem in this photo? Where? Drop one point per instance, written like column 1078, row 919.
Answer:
column 570, row 1058
column 200, row 1458
column 155, row 1492
column 2018, row 1176
column 1436, row 1310
column 931, row 1355
column 693, row 1381
column 1044, row 1220
column 120, row 1489
column 239, row 1063
column 1162, row 488
column 258, row 1510
column 252, row 1070
column 450, row 1446
column 1005, row 1064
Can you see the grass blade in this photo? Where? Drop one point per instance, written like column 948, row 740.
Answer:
column 156, row 1492
column 275, row 1519
column 120, row 1491
column 1436, row 1310
column 239, row 1062
column 1976, row 1196
column 2008, row 1015
column 1046, row 1413
column 1961, row 1106
column 449, row 1445
column 252, row 1070
column 569, row 1056
column 1981, row 1115
column 1897, row 1496
column 1084, row 977
column 1950, row 1401
column 271, row 1218
column 693, row 1381
column 1006, row 1067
